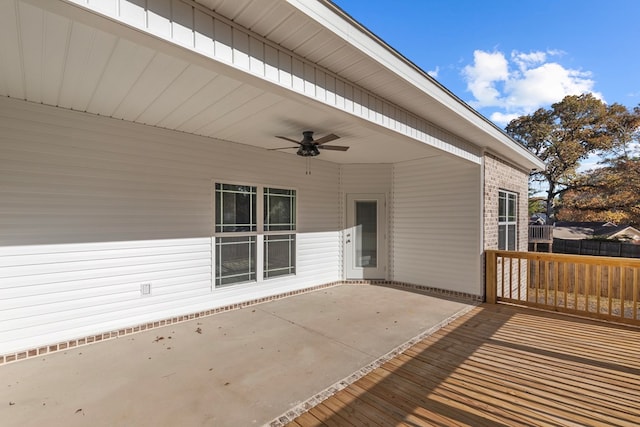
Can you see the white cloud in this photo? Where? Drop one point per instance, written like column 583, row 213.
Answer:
column 434, row 73
column 527, row 60
column 523, row 83
column 487, row 69
column 499, row 117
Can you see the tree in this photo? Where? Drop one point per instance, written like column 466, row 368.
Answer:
column 613, row 195
column 624, row 128
column 561, row 137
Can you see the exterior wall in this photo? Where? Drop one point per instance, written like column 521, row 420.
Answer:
column 436, row 224
column 500, row 175
column 94, row 207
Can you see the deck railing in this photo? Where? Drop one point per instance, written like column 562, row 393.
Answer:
column 593, row 286
column 541, row 234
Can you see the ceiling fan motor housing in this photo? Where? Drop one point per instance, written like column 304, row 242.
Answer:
column 308, row 148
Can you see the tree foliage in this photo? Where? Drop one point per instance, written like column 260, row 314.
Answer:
column 624, row 128
column 563, row 136
column 613, row 195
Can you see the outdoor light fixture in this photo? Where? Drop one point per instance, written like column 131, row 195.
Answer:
column 308, row 151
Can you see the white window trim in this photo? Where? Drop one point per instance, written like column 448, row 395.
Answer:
column 507, row 223
column 259, row 233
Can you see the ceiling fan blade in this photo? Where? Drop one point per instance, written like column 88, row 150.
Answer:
column 333, row 147
column 326, row 138
column 288, row 139
column 282, row 148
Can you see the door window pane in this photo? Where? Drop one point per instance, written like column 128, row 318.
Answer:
column 366, row 233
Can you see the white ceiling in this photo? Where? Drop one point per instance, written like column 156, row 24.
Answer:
column 57, row 53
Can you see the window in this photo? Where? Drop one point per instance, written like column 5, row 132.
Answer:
column 235, row 208
column 507, row 220
column 279, row 255
column 279, row 247
column 235, row 260
column 238, row 233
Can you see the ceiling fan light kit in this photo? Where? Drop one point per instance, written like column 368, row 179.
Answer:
column 309, row 147
column 308, row 151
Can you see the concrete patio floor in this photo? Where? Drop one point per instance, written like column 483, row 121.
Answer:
column 239, row 368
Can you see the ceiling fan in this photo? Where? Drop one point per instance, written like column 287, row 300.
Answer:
column 308, row 147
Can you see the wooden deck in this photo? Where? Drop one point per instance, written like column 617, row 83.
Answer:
column 500, row 366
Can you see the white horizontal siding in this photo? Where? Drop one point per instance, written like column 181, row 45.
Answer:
column 208, row 33
column 359, row 178
column 436, row 220
column 94, row 207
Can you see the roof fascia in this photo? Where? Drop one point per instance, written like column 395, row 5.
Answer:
column 344, row 26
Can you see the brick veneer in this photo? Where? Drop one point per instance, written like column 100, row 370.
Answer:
column 500, row 175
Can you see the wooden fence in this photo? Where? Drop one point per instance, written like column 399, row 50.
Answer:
column 593, row 286
column 596, row 247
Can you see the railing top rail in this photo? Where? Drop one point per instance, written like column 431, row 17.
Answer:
column 574, row 259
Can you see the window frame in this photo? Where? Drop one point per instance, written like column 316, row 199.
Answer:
column 261, row 234
column 507, row 219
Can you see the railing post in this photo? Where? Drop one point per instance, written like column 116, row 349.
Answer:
column 491, row 277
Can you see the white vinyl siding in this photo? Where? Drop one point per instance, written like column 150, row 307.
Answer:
column 93, row 208
column 436, row 224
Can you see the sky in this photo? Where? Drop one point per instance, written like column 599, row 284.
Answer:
column 507, row 58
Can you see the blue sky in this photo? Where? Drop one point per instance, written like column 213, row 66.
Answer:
column 507, row 58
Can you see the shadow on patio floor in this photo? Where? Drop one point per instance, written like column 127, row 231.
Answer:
column 500, row 365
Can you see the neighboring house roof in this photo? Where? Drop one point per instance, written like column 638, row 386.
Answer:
column 585, row 230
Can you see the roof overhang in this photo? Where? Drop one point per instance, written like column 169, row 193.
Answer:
column 63, row 53
column 436, row 102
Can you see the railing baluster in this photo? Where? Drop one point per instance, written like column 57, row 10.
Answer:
column 546, row 282
column 575, row 286
column 529, row 273
column 635, row 293
column 510, row 277
column 519, row 279
column 502, row 271
column 610, row 290
column 623, row 288
column 598, row 287
column 535, row 278
column 565, row 281
column 587, row 283
column 556, row 280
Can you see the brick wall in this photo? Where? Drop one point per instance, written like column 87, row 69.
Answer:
column 500, row 175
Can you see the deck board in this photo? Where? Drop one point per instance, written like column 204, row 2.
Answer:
column 500, row 365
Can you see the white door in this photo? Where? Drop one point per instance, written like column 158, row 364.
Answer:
column 365, row 237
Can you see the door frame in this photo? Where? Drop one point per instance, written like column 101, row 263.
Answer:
column 351, row 272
